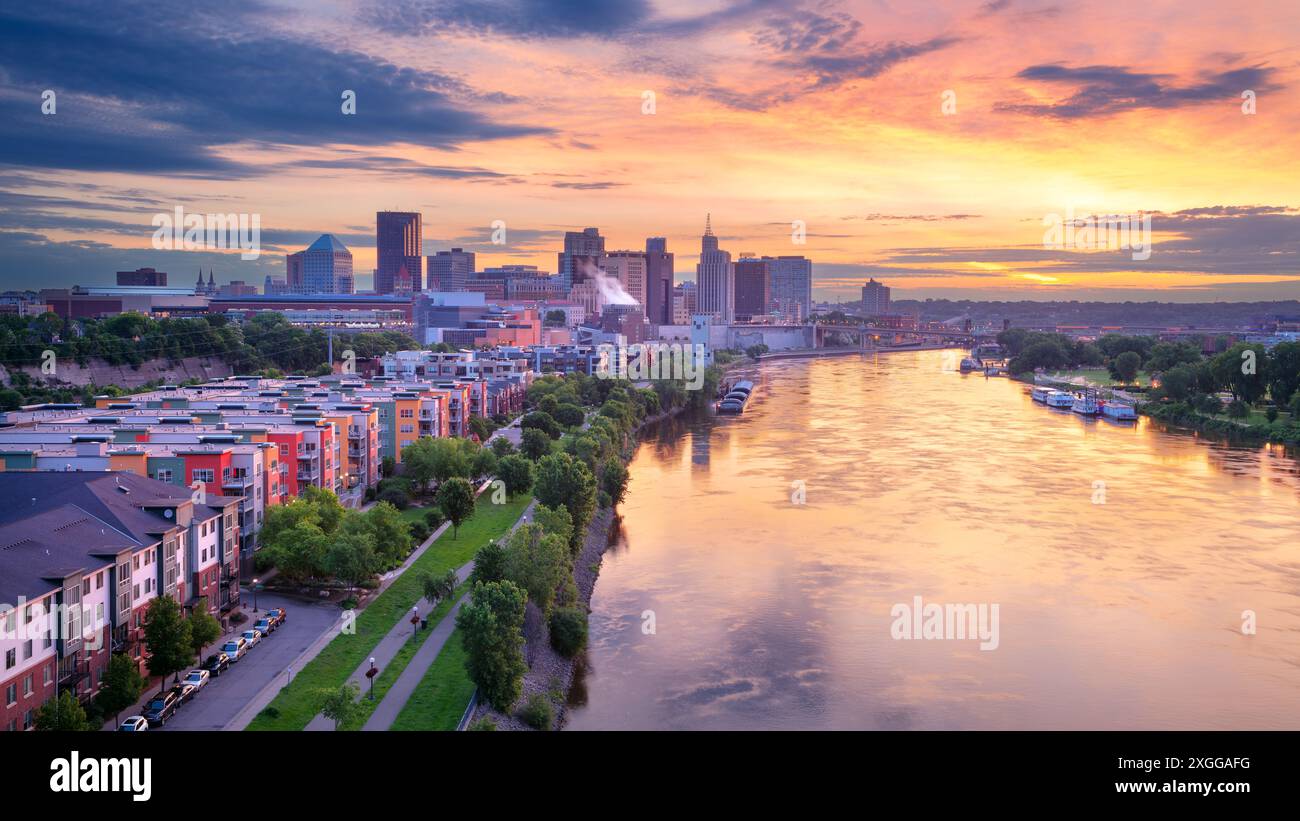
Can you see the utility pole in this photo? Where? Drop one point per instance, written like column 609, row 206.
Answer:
column 330, row 331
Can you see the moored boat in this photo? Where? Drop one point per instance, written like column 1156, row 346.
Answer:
column 1086, row 405
column 1040, row 392
column 1060, row 399
column 1118, row 410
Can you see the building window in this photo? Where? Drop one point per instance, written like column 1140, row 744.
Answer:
column 202, row 475
column 27, row 720
column 49, row 673
column 85, row 587
column 11, row 695
column 99, row 580
column 11, row 658
column 27, row 686
column 163, row 475
column 27, row 649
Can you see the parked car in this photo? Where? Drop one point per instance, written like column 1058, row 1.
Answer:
column 264, row 626
column 253, row 637
column 184, row 691
column 278, row 615
column 198, row 678
column 217, row 664
column 235, row 649
column 134, row 724
column 161, row 708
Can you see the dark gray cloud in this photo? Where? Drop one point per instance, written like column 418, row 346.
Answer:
column 1101, row 90
column 144, row 91
column 517, row 18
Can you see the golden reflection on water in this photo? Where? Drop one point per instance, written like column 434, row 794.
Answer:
column 960, row 489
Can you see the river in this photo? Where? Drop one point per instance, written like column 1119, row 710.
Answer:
column 1121, row 557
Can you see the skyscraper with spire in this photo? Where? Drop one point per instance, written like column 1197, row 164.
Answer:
column 715, row 277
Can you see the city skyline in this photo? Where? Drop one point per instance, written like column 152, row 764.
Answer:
column 924, row 146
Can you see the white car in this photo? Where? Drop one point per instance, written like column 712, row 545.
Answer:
column 134, row 724
column 253, row 637
column 199, row 678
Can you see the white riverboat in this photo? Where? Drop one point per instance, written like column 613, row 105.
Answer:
column 1040, row 393
column 1060, row 399
column 1086, row 405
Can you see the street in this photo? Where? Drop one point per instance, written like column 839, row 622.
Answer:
column 225, row 695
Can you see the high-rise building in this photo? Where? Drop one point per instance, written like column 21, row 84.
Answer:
column 324, row 267
column 630, row 269
column 714, row 278
column 791, row 286
column 658, row 281
column 142, row 278
column 753, row 287
column 398, row 236
column 875, row 298
column 582, row 250
column 450, row 270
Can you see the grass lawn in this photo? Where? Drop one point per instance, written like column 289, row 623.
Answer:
column 441, row 696
column 298, row 703
column 1099, row 376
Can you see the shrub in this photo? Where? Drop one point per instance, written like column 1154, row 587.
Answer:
column 434, row 519
column 419, row 532
column 396, row 497
column 1238, row 410
column 1271, row 413
column 350, row 603
column 568, row 630
column 537, row 712
column 369, row 584
column 484, row 724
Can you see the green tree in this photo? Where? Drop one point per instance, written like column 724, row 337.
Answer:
column 502, row 447
column 613, row 479
column 489, row 563
column 1284, row 371
column 62, row 714
column 535, row 443
column 456, row 500
column 1127, row 365
column 569, row 415
column 755, row 351
column 517, row 474
column 122, row 686
column 420, row 462
column 484, row 463
column 350, row 557
column 1178, row 382
column 387, row 527
column 491, row 626
column 167, row 634
column 537, row 562
column 340, row 706
column 568, row 628
column 543, row 421
column 1243, row 369
column 204, row 628
column 554, row 520
column 562, row 481
column 437, row 588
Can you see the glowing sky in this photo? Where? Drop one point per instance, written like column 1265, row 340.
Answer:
column 830, row 113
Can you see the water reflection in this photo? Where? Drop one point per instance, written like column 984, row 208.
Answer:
column 1118, row 612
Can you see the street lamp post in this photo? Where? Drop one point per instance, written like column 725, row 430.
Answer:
column 370, row 674
column 415, row 621
column 255, row 594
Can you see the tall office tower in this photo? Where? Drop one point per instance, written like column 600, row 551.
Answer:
column 714, row 278
column 791, row 286
column 875, row 298
column 450, row 270
column 325, row 267
column 630, row 268
column 398, row 235
column 658, row 281
column 581, row 249
column 142, row 277
column 753, row 290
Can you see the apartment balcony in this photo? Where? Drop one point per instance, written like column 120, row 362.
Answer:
column 236, row 482
column 71, row 671
column 307, row 457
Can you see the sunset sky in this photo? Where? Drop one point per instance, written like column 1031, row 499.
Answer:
column 531, row 112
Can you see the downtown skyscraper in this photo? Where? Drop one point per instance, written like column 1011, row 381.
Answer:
column 399, row 264
column 324, row 267
column 659, row 281
column 715, row 278
column 581, row 249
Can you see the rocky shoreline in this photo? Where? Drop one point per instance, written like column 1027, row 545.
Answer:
column 549, row 673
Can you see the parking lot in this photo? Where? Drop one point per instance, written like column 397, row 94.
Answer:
column 218, row 702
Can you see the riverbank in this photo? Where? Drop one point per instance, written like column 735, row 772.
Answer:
column 549, row 673
column 1182, row 415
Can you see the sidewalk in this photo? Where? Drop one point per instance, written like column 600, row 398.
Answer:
column 268, row 693
column 396, row 697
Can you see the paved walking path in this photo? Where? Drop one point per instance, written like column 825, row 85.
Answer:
column 268, row 693
column 397, row 696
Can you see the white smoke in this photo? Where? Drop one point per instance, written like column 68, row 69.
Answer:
column 611, row 290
